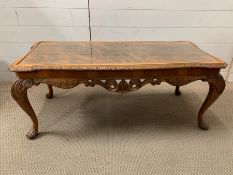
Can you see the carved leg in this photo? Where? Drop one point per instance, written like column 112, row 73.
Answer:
column 50, row 93
column 19, row 93
column 177, row 91
column 216, row 87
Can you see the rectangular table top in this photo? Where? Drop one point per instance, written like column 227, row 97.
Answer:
column 115, row 56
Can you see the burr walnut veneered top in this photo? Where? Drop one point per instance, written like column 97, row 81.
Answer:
column 115, row 56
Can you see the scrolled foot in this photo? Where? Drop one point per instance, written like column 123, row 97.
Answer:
column 32, row 134
column 177, row 91
column 49, row 95
column 202, row 125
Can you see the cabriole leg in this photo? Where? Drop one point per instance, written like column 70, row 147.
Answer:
column 216, row 87
column 19, row 94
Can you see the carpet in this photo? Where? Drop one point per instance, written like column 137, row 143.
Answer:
column 92, row 131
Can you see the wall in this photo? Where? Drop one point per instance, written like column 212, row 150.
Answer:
column 23, row 22
column 207, row 23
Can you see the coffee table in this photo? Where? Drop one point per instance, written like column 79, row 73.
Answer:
column 116, row 66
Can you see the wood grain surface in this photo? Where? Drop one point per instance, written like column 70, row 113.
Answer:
column 115, row 56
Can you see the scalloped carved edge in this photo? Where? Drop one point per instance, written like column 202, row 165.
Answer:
column 23, row 68
column 60, row 83
column 122, row 86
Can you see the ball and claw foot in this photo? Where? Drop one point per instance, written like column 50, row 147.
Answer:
column 32, row 134
column 202, row 125
column 177, row 91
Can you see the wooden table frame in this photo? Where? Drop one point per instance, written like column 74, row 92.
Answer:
column 107, row 79
column 122, row 80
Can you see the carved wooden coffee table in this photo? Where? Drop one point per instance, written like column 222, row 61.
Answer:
column 116, row 66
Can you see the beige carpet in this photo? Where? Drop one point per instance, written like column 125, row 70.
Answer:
column 91, row 131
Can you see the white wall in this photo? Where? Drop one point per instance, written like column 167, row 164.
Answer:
column 207, row 23
column 23, row 22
